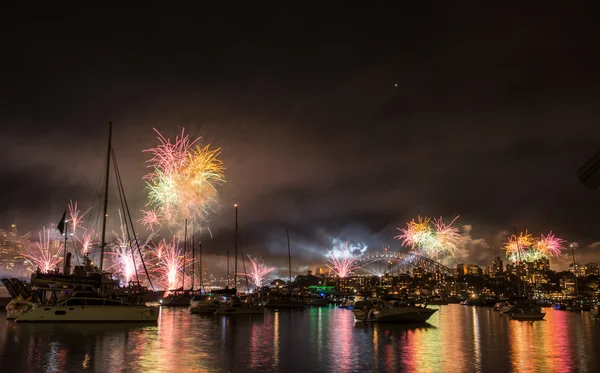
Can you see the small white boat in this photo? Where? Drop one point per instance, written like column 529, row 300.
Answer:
column 379, row 310
column 88, row 307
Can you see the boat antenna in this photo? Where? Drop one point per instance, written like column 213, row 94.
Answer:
column 103, row 243
column 66, row 236
column 236, row 247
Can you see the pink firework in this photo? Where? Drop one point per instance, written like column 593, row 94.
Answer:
column 169, row 157
column 75, row 217
column 169, row 263
column 341, row 261
column 258, row 271
column 150, row 219
column 549, row 245
column 43, row 256
column 88, row 240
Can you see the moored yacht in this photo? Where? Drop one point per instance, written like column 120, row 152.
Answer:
column 526, row 312
column 379, row 310
column 90, row 307
column 239, row 308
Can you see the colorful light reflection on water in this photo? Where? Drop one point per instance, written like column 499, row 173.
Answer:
column 457, row 339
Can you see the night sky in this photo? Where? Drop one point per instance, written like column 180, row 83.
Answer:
column 334, row 122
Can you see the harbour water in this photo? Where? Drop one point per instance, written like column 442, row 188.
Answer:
column 456, row 339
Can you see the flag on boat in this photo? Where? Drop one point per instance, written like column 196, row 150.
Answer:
column 61, row 224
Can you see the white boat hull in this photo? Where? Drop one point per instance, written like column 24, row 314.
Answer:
column 91, row 314
column 16, row 307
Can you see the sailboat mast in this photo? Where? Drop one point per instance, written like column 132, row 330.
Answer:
column 236, row 247
column 201, row 280
column 289, row 259
column 184, row 254
column 103, row 243
column 575, row 271
column 193, row 257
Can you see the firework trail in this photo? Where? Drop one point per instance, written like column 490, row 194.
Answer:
column 258, row 271
column 526, row 248
column 75, row 216
column 168, row 263
column 432, row 238
column 43, row 257
column 341, row 259
column 182, row 184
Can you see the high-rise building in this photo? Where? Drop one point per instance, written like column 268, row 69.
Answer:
column 496, row 267
column 591, row 269
column 461, row 269
column 475, row 270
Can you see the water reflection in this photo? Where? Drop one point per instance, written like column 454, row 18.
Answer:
column 457, row 339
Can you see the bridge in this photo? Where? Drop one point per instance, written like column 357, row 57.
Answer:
column 405, row 258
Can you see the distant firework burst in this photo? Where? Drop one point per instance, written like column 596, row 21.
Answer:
column 182, row 184
column 88, row 240
column 258, row 271
column 432, row 238
column 75, row 216
column 342, row 259
column 42, row 255
column 168, row 264
column 527, row 248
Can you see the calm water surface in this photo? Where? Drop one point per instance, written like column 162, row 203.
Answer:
column 457, row 339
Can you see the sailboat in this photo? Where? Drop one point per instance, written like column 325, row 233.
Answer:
column 286, row 302
column 237, row 307
column 89, row 303
column 179, row 297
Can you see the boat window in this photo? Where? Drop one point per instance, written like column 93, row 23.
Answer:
column 60, row 312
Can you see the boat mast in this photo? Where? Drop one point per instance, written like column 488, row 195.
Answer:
column 201, row 281
column 184, row 254
column 289, row 259
column 193, row 257
column 575, row 272
column 103, row 243
column 236, row 247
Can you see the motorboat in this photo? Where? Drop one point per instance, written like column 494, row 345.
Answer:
column 315, row 301
column 284, row 302
column 526, row 312
column 207, row 306
column 239, row 308
column 348, row 303
column 90, row 307
column 379, row 310
column 175, row 301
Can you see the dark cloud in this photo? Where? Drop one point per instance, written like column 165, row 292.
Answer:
column 493, row 112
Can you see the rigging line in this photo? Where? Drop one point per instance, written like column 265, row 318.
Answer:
column 132, row 227
column 75, row 250
column 121, row 194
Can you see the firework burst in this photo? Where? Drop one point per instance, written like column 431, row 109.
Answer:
column 42, row 255
column 258, row 271
column 75, row 216
column 182, row 184
column 169, row 262
column 341, row 259
column 88, row 240
column 527, row 248
column 432, row 238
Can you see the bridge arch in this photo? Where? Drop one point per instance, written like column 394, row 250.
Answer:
column 415, row 260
